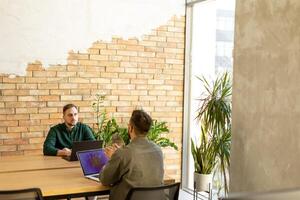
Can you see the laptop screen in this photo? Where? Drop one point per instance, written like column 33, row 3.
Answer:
column 92, row 161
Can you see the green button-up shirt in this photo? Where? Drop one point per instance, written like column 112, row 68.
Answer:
column 60, row 137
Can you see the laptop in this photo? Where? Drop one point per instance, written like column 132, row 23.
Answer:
column 92, row 162
column 81, row 146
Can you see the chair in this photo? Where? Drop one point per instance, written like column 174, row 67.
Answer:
column 24, row 194
column 165, row 192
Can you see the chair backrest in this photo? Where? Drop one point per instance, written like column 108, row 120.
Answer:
column 165, row 192
column 24, row 194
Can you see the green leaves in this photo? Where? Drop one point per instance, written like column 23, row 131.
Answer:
column 106, row 128
column 158, row 128
column 214, row 116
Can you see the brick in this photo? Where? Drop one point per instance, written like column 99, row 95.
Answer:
column 167, row 44
column 35, row 80
column 71, row 98
column 156, row 82
column 50, row 121
column 154, row 49
column 78, row 56
column 47, row 110
column 38, row 92
column 34, row 128
column 145, row 76
column 121, row 103
column 14, row 92
column 17, row 129
column 129, row 98
column 60, row 92
column 15, row 141
column 175, row 39
column 126, row 87
column 157, row 38
column 67, row 86
column 79, row 80
column 7, row 110
column 176, row 29
column 119, row 81
column 148, row 43
column 100, row 80
column 66, row 74
column 157, row 103
column 108, row 52
column 99, row 57
column 93, row 51
column 87, row 86
column 17, row 117
column 88, row 62
column 9, row 136
column 26, row 86
column 126, row 53
column 135, row 48
column 13, row 80
column 39, row 116
column 99, row 45
column 173, row 50
column 147, row 98
column 119, row 58
column 57, row 68
column 34, row 67
column 109, row 63
column 133, row 70
column 49, row 98
column 30, row 146
column 44, row 74
column 115, row 69
column 57, row 80
column 139, row 59
column 127, row 42
column 87, row 74
column 128, row 64
column 157, row 93
column 24, row 104
column 116, row 46
column 71, row 62
column 36, row 140
column 95, row 68
column 156, row 60
column 27, row 98
column 174, row 61
column 81, row 92
column 8, row 98
column 7, row 86
column 147, row 54
column 32, row 134
column 127, row 76
column 110, row 74
column 7, row 148
column 48, row 86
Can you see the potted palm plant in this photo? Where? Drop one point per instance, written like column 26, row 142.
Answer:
column 214, row 116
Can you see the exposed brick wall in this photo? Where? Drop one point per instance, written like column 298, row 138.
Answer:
column 133, row 73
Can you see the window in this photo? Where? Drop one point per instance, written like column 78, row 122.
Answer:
column 209, row 47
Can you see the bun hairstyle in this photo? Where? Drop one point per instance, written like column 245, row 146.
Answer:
column 141, row 121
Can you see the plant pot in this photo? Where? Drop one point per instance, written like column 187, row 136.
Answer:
column 203, row 182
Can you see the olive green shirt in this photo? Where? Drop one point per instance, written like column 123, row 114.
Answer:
column 60, row 137
column 140, row 163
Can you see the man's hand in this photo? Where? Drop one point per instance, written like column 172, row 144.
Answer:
column 64, row 152
column 110, row 150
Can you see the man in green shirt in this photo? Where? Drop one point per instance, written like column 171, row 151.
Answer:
column 60, row 137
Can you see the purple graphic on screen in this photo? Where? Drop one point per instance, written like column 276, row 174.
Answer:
column 92, row 161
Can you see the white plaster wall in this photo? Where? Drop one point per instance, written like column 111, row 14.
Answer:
column 47, row 30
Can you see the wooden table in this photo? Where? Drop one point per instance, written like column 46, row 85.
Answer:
column 31, row 163
column 54, row 183
column 56, row 177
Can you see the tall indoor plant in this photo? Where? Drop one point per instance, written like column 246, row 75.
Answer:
column 214, row 116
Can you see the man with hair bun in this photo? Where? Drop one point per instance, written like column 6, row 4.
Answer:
column 140, row 163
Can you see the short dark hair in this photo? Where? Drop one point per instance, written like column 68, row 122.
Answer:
column 70, row 105
column 141, row 122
